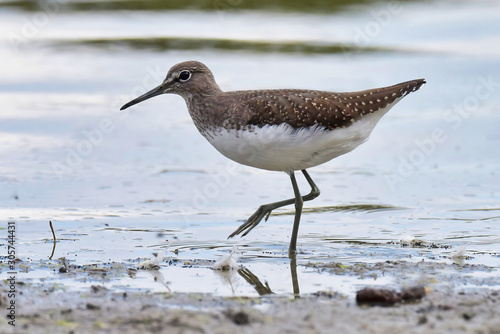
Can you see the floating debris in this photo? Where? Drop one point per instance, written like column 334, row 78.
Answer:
column 460, row 253
column 154, row 262
column 407, row 239
column 64, row 265
column 227, row 262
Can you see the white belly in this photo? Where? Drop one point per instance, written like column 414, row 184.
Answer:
column 281, row 148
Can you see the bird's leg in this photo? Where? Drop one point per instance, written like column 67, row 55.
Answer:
column 295, row 279
column 296, row 221
column 265, row 210
column 314, row 188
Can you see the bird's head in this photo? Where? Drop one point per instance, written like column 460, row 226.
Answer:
column 187, row 79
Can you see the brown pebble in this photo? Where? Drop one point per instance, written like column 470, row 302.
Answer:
column 381, row 297
column 93, row 307
column 422, row 320
column 388, row 297
column 413, row 293
column 239, row 318
column 97, row 288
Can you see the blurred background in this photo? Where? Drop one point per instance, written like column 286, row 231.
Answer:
column 122, row 183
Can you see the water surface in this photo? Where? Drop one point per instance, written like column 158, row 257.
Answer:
column 119, row 186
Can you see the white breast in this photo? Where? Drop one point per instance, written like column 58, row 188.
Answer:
column 283, row 148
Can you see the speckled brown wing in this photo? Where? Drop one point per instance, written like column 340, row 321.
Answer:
column 300, row 108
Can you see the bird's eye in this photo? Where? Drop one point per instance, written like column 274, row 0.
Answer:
column 184, row 75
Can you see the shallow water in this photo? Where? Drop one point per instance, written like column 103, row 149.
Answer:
column 120, row 186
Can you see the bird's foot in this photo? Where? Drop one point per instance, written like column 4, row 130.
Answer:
column 263, row 212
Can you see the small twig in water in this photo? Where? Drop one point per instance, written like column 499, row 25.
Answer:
column 54, row 236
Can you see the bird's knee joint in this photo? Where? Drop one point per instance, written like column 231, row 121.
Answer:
column 315, row 192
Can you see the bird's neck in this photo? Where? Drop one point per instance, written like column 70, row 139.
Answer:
column 207, row 91
column 202, row 107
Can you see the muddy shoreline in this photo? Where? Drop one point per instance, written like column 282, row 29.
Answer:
column 457, row 301
column 106, row 312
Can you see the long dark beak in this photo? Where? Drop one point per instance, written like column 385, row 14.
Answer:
column 152, row 93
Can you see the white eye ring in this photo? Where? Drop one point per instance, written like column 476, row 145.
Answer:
column 184, row 76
